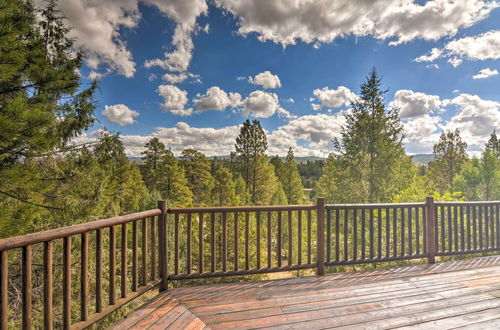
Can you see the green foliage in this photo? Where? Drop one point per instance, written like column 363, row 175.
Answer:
column 197, row 168
column 42, row 102
column 174, row 186
column 370, row 151
column 449, row 156
column 290, row 179
column 327, row 185
column 152, row 158
column 224, row 189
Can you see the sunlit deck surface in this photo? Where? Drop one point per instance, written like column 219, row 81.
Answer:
column 459, row 294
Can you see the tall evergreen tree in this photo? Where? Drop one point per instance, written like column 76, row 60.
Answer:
column 152, row 157
column 290, row 179
column 449, row 156
column 250, row 145
column 224, row 189
column 198, row 173
column 328, row 185
column 42, row 101
column 370, row 146
column 174, row 186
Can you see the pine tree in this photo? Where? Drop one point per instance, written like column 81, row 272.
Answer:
column 493, row 144
column 152, row 157
column 197, row 169
column 370, row 146
column 224, row 189
column 449, row 156
column 250, row 145
column 174, row 186
column 291, row 181
column 42, row 101
column 264, row 181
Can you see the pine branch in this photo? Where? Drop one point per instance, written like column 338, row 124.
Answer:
column 29, row 202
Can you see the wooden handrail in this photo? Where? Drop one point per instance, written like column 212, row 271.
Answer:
column 221, row 209
column 52, row 234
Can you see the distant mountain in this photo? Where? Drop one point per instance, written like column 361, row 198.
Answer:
column 422, row 159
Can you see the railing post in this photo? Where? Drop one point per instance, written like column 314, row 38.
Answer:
column 320, row 248
column 162, row 245
column 431, row 228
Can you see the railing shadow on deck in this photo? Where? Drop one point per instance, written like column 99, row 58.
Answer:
column 170, row 244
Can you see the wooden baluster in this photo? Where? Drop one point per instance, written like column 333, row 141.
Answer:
column 124, row 270
column 387, row 233
column 134, row 256
column 112, row 265
column 410, row 232
column 424, row 230
column 144, row 259
column 492, row 225
column 212, row 243
column 153, row 249
column 462, row 229
column 371, row 234
column 363, row 234
column 309, row 233
column 480, row 223
column 278, row 247
column 417, row 229
column 98, row 271
column 450, row 229
column 346, row 233
column 467, row 208
column 355, row 234
column 496, row 214
column 486, row 226
column 257, row 215
column 200, row 243
column 176, row 243
column 224, row 241
column 290, row 239
column 269, row 249
column 395, row 232
column 329, row 235
column 430, row 224
column 67, row 282
column 188, row 242
column 455, row 228
column 320, row 248
column 4, row 290
column 337, row 235
column 84, row 276
column 443, row 229
column 236, row 247
column 247, row 239
column 403, row 229
column 299, row 237
column 474, row 227
column 27, row 286
column 48, row 318
column 379, row 234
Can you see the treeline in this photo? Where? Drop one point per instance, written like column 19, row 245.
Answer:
column 48, row 182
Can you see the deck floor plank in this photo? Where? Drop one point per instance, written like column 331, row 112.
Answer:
column 448, row 295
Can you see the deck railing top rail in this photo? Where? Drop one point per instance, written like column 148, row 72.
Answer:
column 53, row 234
column 259, row 208
column 372, row 205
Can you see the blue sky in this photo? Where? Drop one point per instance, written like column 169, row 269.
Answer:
column 249, row 59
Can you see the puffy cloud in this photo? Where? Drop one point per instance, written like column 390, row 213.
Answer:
column 482, row 47
column 216, row 99
column 285, row 22
column 434, row 54
column 174, row 100
column 476, row 119
column 175, row 78
column 184, row 13
column 120, row 114
column 485, row 73
column 414, row 104
column 332, row 98
column 263, row 105
column 266, row 79
column 317, row 131
column 455, row 61
column 421, row 133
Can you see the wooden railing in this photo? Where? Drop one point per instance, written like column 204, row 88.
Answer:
column 169, row 244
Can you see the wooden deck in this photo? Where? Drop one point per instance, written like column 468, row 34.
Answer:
column 460, row 294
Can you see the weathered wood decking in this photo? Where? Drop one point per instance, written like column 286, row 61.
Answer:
column 446, row 295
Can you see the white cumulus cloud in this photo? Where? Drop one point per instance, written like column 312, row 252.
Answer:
column 216, row 99
column 332, row 98
column 263, row 105
column 414, row 104
column 174, row 100
column 485, row 73
column 120, row 114
column 266, row 79
column 288, row 21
